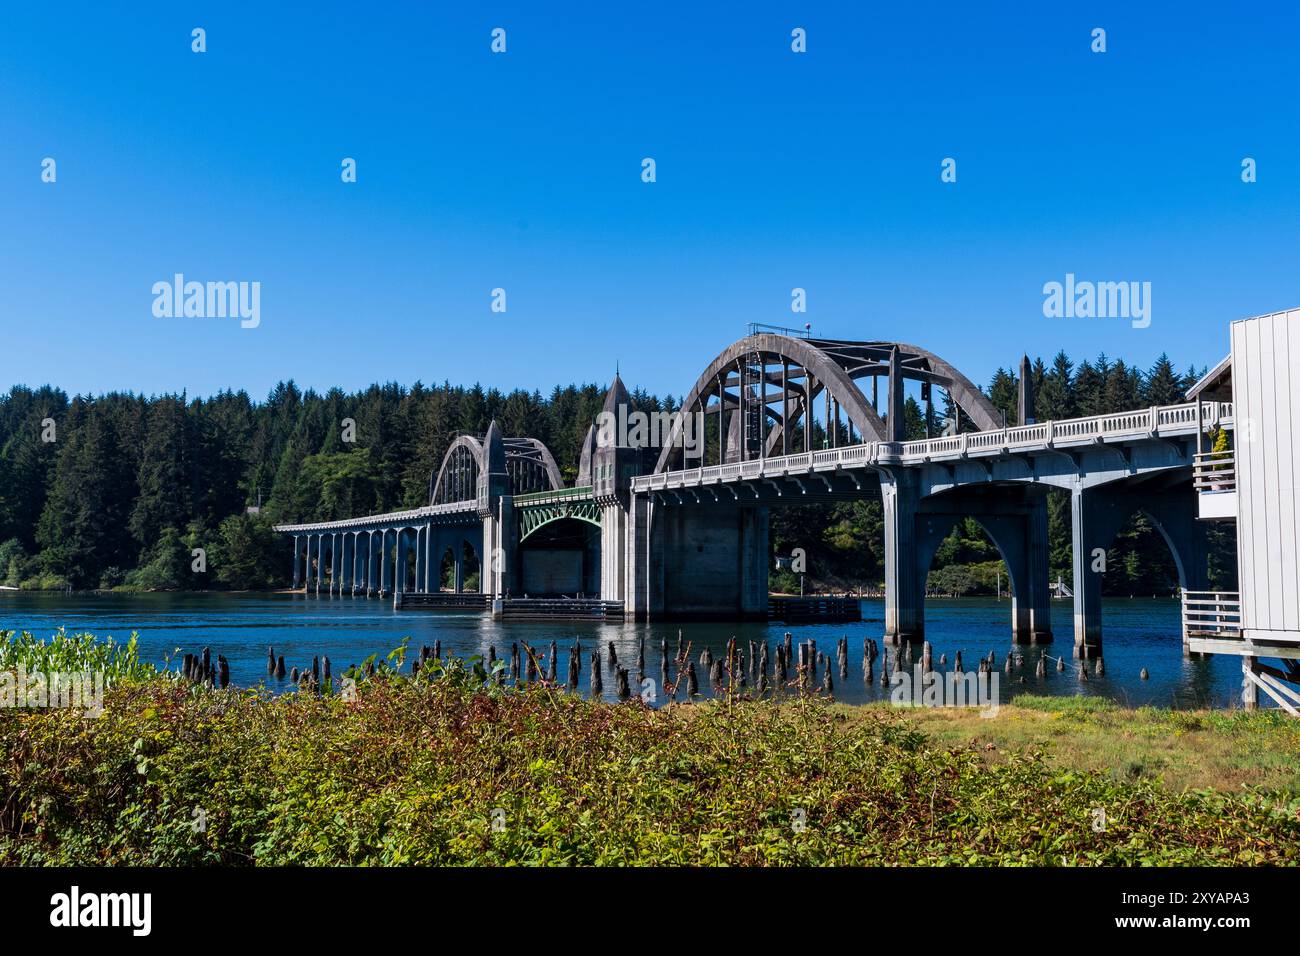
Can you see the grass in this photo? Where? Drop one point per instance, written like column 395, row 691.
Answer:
column 1230, row 751
column 448, row 769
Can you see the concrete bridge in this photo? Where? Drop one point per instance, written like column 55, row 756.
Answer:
column 680, row 529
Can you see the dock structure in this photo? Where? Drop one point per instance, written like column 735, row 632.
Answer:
column 672, row 521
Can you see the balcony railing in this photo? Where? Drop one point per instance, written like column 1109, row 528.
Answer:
column 1215, row 471
column 1215, row 614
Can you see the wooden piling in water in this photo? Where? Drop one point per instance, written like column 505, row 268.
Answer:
column 1100, row 669
column 927, row 658
column 223, row 672
column 692, row 683
column 574, row 668
column 270, row 661
column 326, row 676
column 613, row 657
column 1041, row 669
column 437, row 649
column 1060, row 663
column 514, row 661
column 956, row 665
column 1143, row 674
column 597, row 685
column 552, row 665
column 293, row 675
column 279, row 667
column 621, row 685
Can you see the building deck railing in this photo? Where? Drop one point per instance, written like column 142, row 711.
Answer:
column 1214, row 614
column 1214, row 471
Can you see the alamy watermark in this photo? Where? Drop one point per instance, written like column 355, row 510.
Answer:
column 1098, row 300
column 208, row 300
column 922, row 688
column 628, row 429
column 20, row 688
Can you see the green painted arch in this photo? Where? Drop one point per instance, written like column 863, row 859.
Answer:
column 533, row 518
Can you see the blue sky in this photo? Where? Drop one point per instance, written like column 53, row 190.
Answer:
column 522, row 171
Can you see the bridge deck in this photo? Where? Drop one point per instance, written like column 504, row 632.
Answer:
column 1159, row 422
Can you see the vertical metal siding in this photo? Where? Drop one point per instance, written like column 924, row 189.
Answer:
column 1266, row 408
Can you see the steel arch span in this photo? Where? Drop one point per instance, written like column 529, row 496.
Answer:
column 526, row 463
column 764, row 389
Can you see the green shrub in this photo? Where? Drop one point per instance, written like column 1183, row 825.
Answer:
column 415, row 771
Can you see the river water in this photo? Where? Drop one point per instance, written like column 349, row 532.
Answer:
column 1137, row 633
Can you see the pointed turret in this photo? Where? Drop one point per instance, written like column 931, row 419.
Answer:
column 1025, row 407
column 615, row 462
column 617, row 396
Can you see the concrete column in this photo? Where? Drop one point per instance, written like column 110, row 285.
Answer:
column 356, row 559
column 644, row 596
column 296, row 556
column 372, row 563
column 711, row 567
column 400, row 560
column 335, row 563
column 614, row 530
column 458, row 566
column 384, row 565
column 904, row 588
column 420, row 545
column 754, row 525
column 429, row 571
column 349, row 557
column 320, row 560
column 500, row 536
column 1088, row 535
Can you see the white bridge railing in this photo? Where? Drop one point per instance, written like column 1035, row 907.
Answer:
column 391, row 518
column 1155, row 422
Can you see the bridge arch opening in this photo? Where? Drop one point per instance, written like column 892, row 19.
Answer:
column 561, row 557
column 471, row 567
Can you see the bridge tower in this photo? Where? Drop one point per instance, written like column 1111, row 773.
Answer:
column 496, row 509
